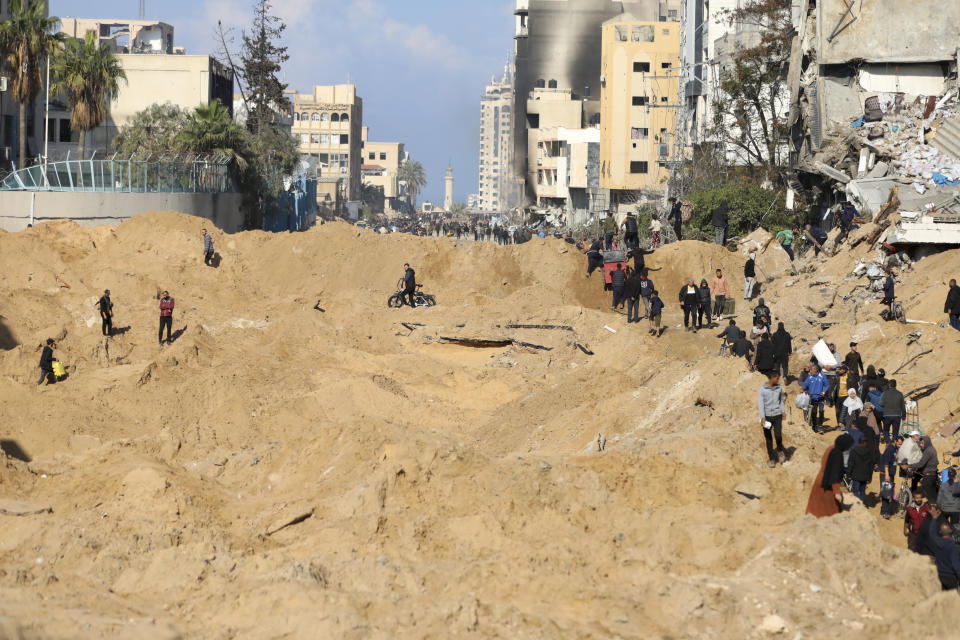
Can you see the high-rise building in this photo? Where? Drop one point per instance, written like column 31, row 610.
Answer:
column 638, row 105
column 328, row 123
column 557, row 45
column 496, row 144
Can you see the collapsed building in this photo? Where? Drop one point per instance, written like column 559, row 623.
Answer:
column 875, row 115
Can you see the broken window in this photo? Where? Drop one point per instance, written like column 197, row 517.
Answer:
column 641, row 67
column 621, row 34
column 643, row 33
column 640, row 101
column 639, row 133
column 638, row 167
column 324, row 117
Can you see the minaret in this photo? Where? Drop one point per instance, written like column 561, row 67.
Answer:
column 448, row 190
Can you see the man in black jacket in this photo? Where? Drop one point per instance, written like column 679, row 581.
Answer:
column 894, row 411
column 721, row 223
column 409, row 284
column 676, row 217
column 705, row 305
column 952, row 305
column 730, row 334
column 782, row 349
column 689, row 301
column 618, row 279
column 631, row 292
column 765, row 362
column 749, row 276
column 106, row 314
column 594, row 257
column 46, row 363
column 743, row 348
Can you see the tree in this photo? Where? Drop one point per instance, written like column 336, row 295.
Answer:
column 413, row 174
column 29, row 37
column 372, row 197
column 750, row 206
column 211, row 130
column 749, row 113
column 87, row 74
column 153, row 131
column 458, row 209
column 262, row 59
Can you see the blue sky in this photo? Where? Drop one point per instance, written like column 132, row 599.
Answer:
column 419, row 65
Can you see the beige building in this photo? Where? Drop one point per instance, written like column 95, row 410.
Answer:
column 329, row 125
column 124, row 36
column 639, row 102
column 381, row 167
column 496, row 145
column 549, row 109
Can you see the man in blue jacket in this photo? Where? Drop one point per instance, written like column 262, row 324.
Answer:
column 888, row 290
column 947, row 558
column 816, row 385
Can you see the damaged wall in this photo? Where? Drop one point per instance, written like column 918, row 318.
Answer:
column 887, row 31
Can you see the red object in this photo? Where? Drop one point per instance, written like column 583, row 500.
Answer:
column 609, row 268
column 889, row 247
column 166, row 307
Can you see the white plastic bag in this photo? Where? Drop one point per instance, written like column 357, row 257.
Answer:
column 803, row 401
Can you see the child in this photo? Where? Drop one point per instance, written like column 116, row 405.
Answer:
column 656, row 310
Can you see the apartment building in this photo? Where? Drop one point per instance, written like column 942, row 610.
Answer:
column 639, row 100
column 329, row 125
column 496, row 145
column 380, row 168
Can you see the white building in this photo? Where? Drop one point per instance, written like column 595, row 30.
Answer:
column 496, row 144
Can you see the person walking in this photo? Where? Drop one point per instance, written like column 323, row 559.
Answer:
column 689, row 301
column 46, row 363
column 646, row 292
column 766, row 361
column 720, row 291
column 816, row 385
column 609, row 230
column 817, row 236
column 786, row 239
column 720, row 219
column 656, row 229
column 631, row 292
column 409, row 284
column 949, row 497
column 862, row 460
column 952, row 306
column 770, row 402
column 894, row 410
column 928, row 468
column 749, row 276
column 704, row 305
column 782, row 350
column 826, row 495
column 656, row 311
column 207, row 248
column 889, row 291
column 106, row 314
column 631, row 236
column 854, row 362
column 888, row 471
column 166, row 316
column 618, row 280
column 676, row 217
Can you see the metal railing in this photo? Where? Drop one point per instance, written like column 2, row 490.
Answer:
column 177, row 173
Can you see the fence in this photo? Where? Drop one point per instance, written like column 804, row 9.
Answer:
column 177, row 174
column 296, row 209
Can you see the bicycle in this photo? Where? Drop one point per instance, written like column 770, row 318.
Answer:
column 420, row 299
column 895, row 312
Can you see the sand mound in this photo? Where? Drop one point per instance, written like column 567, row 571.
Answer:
column 282, row 471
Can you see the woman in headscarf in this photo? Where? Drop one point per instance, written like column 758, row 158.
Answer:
column 853, row 406
column 826, row 495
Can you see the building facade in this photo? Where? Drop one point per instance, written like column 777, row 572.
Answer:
column 639, row 101
column 124, row 36
column 328, row 123
column 380, row 169
column 497, row 185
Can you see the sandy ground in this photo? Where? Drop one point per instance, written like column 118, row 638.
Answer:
column 281, row 472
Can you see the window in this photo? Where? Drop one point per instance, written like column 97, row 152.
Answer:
column 383, row 155
column 552, row 84
column 335, row 117
column 639, row 133
column 666, row 32
column 540, row 176
column 334, row 160
column 640, row 101
column 315, row 138
column 344, row 138
column 65, row 134
column 304, row 138
column 304, row 116
column 296, row 116
column 324, row 117
column 345, row 118
column 666, row 65
column 641, row 67
column 324, row 138
column 638, row 167
column 51, row 127
column 621, row 34
column 316, row 117
column 372, row 155
column 643, row 33
column 664, row 99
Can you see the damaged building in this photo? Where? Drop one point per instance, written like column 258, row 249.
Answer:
column 874, row 112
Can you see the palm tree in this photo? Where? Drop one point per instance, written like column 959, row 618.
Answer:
column 210, row 129
column 372, row 196
column 458, row 209
column 29, row 37
column 88, row 75
column 413, row 174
